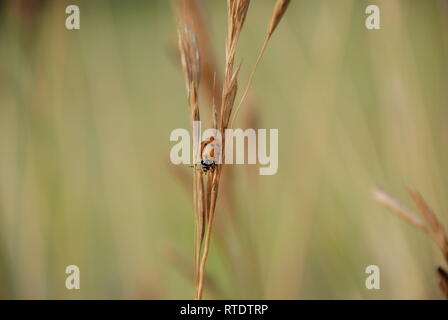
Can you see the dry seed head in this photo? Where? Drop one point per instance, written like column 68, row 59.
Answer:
column 277, row 15
column 236, row 15
column 193, row 13
column 189, row 53
column 231, row 88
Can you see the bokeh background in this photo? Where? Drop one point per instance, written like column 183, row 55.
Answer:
column 85, row 177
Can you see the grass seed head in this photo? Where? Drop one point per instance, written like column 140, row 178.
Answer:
column 277, row 15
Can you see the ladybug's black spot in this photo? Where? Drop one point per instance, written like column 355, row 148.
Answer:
column 207, row 164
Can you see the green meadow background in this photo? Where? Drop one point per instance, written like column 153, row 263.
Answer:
column 85, row 177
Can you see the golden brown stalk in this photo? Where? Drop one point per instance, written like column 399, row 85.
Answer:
column 211, row 215
column 190, row 58
column 277, row 15
column 206, row 192
column 181, row 263
column 211, row 83
column 192, row 12
column 189, row 54
column 393, row 205
column 236, row 15
column 435, row 229
column 230, row 89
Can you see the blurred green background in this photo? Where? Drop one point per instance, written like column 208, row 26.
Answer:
column 85, row 177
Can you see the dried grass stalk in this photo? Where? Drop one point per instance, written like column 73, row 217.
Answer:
column 277, row 15
column 190, row 58
column 236, row 16
column 206, row 192
column 194, row 16
column 435, row 229
column 393, row 205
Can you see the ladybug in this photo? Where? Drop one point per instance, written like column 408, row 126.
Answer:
column 208, row 154
column 207, row 164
